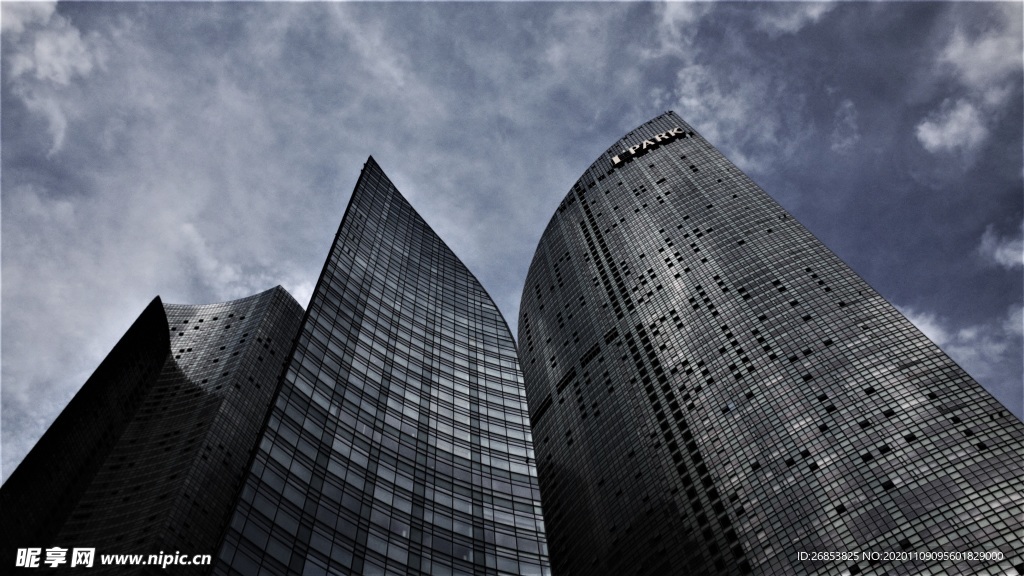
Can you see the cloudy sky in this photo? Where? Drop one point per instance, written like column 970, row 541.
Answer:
column 205, row 152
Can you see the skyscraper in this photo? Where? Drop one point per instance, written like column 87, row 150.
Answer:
column 713, row 391
column 149, row 454
column 399, row 442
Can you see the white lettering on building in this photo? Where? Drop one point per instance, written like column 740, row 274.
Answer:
column 646, row 145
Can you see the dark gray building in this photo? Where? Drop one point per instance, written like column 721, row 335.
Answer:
column 149, row 455
column 713, row 391
column 399, row 442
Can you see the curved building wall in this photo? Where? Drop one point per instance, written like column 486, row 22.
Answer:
column 183, row 397
column 399, row 442
column 713, row 391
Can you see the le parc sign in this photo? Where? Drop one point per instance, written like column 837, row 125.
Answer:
column 647, row 145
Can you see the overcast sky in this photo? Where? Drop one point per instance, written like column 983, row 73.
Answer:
column 205, row 152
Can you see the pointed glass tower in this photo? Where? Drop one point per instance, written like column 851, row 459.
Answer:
column 399, row 442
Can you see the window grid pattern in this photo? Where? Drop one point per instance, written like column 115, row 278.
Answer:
column 399, row 442
column 714, row 391
column 171, row 481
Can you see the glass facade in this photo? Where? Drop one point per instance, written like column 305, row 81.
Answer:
column 713, row 391
column 148, row 457
column 399, row 442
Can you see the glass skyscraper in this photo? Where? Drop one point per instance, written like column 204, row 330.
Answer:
column 399, row 442
column 712, row 391
column 149, row 455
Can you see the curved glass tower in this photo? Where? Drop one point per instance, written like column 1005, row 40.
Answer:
column 149, row 455
column 713, row 391
column 399, row 442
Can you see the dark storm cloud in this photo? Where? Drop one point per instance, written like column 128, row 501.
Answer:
column 206, row 151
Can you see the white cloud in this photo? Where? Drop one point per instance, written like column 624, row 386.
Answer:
column 301, row 290
column 986, row 68
column 57, row 54
column 845, row 132
column 372, row 47
column 676, row 27
column 928, row 323
column 753, row 113
column 1007, row 252
column 978, row 348
column 985, row 63
column 957, row 127
column 1014, row 321
column 44, row 53
column 780, row 18
column 201, row 262
column 990, row 351
column 738, row 110
column 18, row 15
column 582, row 41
